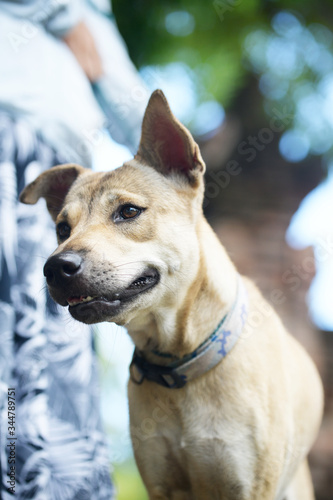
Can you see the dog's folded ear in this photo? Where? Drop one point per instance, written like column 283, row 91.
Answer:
column 53, row 185
column 166, row 144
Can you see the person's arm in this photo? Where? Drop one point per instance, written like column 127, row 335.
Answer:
column 62, row 19
column 82, row 44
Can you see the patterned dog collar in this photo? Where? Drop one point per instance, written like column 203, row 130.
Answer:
column 204, row 358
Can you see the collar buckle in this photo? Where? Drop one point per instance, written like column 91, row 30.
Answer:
column 204, row 358
column 166, row 376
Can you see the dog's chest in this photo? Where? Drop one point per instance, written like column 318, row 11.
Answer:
column 200, row 447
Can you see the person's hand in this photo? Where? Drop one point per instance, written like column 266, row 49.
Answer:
column 82, row 44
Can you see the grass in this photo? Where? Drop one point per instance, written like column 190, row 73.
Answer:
column 128, row 483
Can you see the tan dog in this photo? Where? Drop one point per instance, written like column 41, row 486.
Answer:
column 218, row 409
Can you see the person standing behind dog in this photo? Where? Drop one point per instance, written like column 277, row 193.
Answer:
column 57, row 58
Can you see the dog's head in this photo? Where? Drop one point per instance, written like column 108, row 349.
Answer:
column 127, row 238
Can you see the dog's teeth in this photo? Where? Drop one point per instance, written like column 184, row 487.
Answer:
column 87, row 299
column 79, row 300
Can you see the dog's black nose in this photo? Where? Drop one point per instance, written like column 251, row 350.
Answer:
column 61, row 268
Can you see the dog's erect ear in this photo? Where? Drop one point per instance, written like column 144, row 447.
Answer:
column 166, row 144
column 53, row 185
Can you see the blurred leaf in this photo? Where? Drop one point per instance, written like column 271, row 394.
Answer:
column 214, row 49
column 128, row 482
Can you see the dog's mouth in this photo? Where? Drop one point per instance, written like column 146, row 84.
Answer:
column 95, row 308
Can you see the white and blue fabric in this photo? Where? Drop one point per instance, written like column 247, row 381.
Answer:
column 50, row 114
column 41, row 79
column 50, row 360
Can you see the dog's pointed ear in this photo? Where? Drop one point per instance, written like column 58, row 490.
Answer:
column 53, row 185
column 166, row 144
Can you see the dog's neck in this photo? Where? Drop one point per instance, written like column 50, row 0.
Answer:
column 181, row 327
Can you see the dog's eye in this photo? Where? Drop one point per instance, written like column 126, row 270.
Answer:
column 63, row 231
column 128, row 212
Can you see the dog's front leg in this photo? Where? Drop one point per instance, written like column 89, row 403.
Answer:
column 156, row 438
column 161, row 470
column 158, row 494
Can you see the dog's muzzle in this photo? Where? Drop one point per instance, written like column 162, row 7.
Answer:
column 73, row 281
column 61, row 269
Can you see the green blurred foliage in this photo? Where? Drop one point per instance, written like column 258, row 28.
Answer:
column 128, row 483
column 214, row 49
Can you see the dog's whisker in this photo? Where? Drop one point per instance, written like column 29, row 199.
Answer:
column 127, row 263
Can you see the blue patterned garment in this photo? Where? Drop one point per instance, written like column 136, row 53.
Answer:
column 60, row 453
